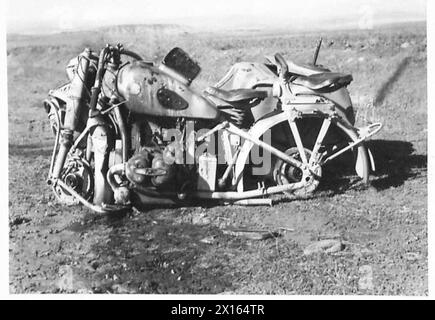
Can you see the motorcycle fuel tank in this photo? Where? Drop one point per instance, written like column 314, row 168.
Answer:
column 161, row 92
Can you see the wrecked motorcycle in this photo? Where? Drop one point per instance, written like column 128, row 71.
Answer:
column 130, row 132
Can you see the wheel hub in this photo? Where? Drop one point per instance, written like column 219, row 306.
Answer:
column 285, row 173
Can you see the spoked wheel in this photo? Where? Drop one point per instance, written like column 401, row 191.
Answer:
column 285, row 173
column 327, row 140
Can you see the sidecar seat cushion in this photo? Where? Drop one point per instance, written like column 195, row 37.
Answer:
column 324, row 80
column 236, row 94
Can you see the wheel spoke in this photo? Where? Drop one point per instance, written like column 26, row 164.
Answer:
column 322, row 133
column 297, row 137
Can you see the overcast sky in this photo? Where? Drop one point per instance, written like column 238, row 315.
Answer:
column 57, row 15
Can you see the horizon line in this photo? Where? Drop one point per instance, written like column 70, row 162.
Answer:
column 268, row 26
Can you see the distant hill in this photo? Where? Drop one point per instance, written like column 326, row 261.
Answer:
column 144, row 28
column 161, row 30
column 106, row 34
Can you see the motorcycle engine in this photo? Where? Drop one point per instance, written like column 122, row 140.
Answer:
column 153, row 163
column 148, row 167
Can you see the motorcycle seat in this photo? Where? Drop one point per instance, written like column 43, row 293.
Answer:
column 324, row 80
column 299, row 69
column 235, row 95
column 305, row 70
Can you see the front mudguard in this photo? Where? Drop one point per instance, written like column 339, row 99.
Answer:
column 359, row 162
column 365, row 133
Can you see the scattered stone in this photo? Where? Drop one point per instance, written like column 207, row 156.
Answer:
column 117, row 288
column 227, row 292
column 412, row 256
column 208, row 240
column 69, row 282
column 95, row 264
column 91, row 256
column 19, row 220
column 44, row 254
column 405, row 45
column 363, row 252
column 84, row 291
column 328, row 236
column 200, row 219
column 252, row 234
column 66, row 281
column 53, row 231
column 326, row 246
column 365, row 281
column 50, row 214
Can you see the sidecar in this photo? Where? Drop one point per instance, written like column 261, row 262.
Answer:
column 315, row 92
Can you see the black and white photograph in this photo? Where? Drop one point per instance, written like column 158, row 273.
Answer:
column 216, row 148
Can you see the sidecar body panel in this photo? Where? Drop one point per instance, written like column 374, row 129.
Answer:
column 153, row 91
column 251, row 75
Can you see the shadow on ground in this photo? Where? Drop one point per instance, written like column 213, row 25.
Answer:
column 395, row 162
column 156, row 252
column 385, row 89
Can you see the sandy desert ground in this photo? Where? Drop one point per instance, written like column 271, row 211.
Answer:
column 383, row 228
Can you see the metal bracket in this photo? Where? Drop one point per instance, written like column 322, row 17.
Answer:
column 368, row 130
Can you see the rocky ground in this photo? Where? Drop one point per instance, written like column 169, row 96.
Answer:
column 348, row 240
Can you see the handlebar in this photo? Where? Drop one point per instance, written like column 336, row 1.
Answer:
column 132, row 54
column 129, row 53
column 114, row 53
